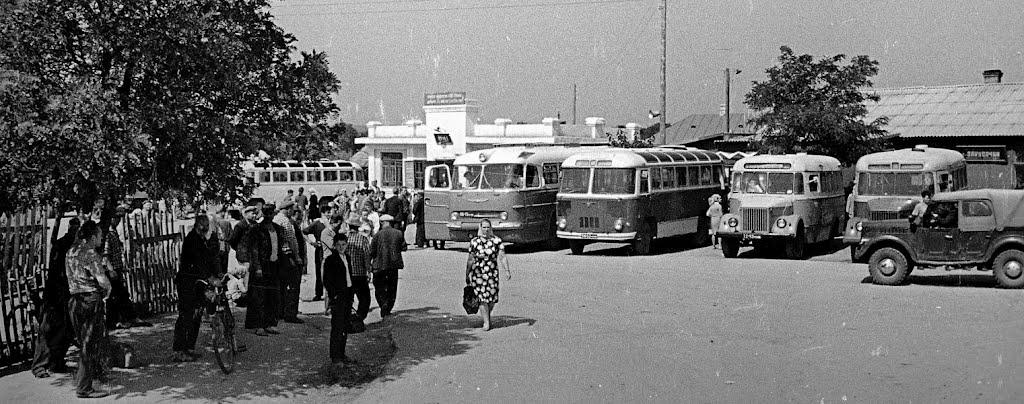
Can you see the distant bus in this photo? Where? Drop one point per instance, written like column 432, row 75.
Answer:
column 512, row 186
column 275, row 178
column 636, row 195
column 792, row 200
column 888, row 184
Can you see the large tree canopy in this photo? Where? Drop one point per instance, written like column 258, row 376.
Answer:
column 101, row 98
column 818, row 107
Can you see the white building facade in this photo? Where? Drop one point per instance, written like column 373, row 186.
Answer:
column 398, row 154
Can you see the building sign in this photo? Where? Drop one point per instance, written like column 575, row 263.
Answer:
column 984, row 154
column 449, row 98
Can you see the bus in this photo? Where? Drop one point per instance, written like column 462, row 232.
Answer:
column 275, row 178
column 791, row 199
column 888, row 184
column 636, row 195
column 512, row 186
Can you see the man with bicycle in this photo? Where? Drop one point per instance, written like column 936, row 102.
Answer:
column 199, row 262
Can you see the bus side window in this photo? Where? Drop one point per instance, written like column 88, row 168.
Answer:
column 313, row 176
column 345, row 176
column 716, row 176
column 298, row 176
column 798, row 183
column 265, row 176
column 813, row 183
column 280, row 176
column 644, row 188
column 550, row 172
column 655, row 178
column 330, row 176
column 532, row 179
column 705, row 176
column 692, row 176
column 668, row 177
column 681, row 177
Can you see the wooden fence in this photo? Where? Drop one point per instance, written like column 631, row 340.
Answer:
column 151, row 254
column 23, row 260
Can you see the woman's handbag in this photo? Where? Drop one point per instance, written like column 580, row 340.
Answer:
column 469, row 300
column 355, row 325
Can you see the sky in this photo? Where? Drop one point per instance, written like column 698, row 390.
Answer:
column 520, row 58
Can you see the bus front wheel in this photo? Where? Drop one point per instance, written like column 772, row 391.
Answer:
column 577, row 247
column 795, row 246
column 730, row 247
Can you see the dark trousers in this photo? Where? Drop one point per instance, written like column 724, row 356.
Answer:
column 341, row 310
column 190, row 306
column 421, row 235
column 119, row 306
column 264, row 298
column 291, row 280
column 318, row 254
column 385, row 285
column 361, row 290
column 87, row 319
column 54, row 338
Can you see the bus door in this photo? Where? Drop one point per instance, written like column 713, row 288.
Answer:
column 437, row 202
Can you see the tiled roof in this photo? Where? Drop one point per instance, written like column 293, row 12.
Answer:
column 698, row 127
column 961, row 110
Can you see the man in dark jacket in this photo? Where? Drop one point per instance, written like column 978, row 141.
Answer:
column 386, row 254
column 55, row 334
column 199, row 262
column 417, row 213
column 266, row 257
column 338, row 282
column 394, row 206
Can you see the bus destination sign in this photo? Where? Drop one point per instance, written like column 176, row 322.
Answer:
column 448, row 98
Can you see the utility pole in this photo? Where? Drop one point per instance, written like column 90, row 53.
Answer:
column 725, row 136
column 664, row 54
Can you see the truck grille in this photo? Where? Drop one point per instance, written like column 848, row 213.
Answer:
column 884, row 215
column 589, row 222
column 755, row 219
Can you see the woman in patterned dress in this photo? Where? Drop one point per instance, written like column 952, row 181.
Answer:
column 485, row 254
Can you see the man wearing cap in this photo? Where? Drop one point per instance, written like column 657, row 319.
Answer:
column 358, row 251
column 265, row 243
column 291, row 267
column 386, row 255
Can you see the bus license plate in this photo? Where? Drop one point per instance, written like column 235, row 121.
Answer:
column 751, row 236
column 588, row 235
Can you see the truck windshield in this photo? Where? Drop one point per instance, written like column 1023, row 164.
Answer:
column 574, row 181
column 759, row 182
column 894, row 183
column 614, row 181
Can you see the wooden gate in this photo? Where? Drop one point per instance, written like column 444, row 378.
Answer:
column 152, row 251
column 23, row 253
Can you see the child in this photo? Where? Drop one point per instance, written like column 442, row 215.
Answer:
column 715, row 213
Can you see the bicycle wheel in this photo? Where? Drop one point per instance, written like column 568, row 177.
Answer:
column 223, row 344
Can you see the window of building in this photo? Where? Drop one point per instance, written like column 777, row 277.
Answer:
column 418, row 171
column 391, row 169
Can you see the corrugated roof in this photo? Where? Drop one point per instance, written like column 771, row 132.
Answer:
column 698, row 127
column 944, row 111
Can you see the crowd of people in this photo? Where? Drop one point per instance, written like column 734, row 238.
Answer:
column 260, row 251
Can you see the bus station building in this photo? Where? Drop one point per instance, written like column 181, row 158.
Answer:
column 398, row 154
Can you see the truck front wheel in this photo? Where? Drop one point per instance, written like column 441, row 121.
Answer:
column 888, row 266
column 1008, row 267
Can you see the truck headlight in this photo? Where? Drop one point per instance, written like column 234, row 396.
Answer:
column 455, row 216
column 503, row 216
column 733, row 222
column 561, row 223
column 860, row 226
column 618, row 224
column 781, row 223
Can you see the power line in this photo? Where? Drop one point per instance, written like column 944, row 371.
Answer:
column 463, row 8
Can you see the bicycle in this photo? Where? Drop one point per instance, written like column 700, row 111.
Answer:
column 222, row 323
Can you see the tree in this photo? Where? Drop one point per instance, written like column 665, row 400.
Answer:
column 106, row 98
column 644, row 138
column 818, row 107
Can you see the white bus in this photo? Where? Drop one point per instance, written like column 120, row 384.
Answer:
column 275, row 178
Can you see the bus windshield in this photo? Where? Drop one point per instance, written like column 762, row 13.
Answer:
column 614, row 181
column 759, row 182
column 491, row 176
column 893, row 183
column 574, row 180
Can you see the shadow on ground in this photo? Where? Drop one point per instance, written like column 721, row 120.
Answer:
column 291, row 364
column 956, row 280
column 658, row 247
column 811, row 251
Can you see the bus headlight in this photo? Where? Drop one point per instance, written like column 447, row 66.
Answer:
column 562, row 223
column 618, row 224
column 503, row 216
column 781, row 223
column 455, row 216
column 860, row 226
column 733, row 222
